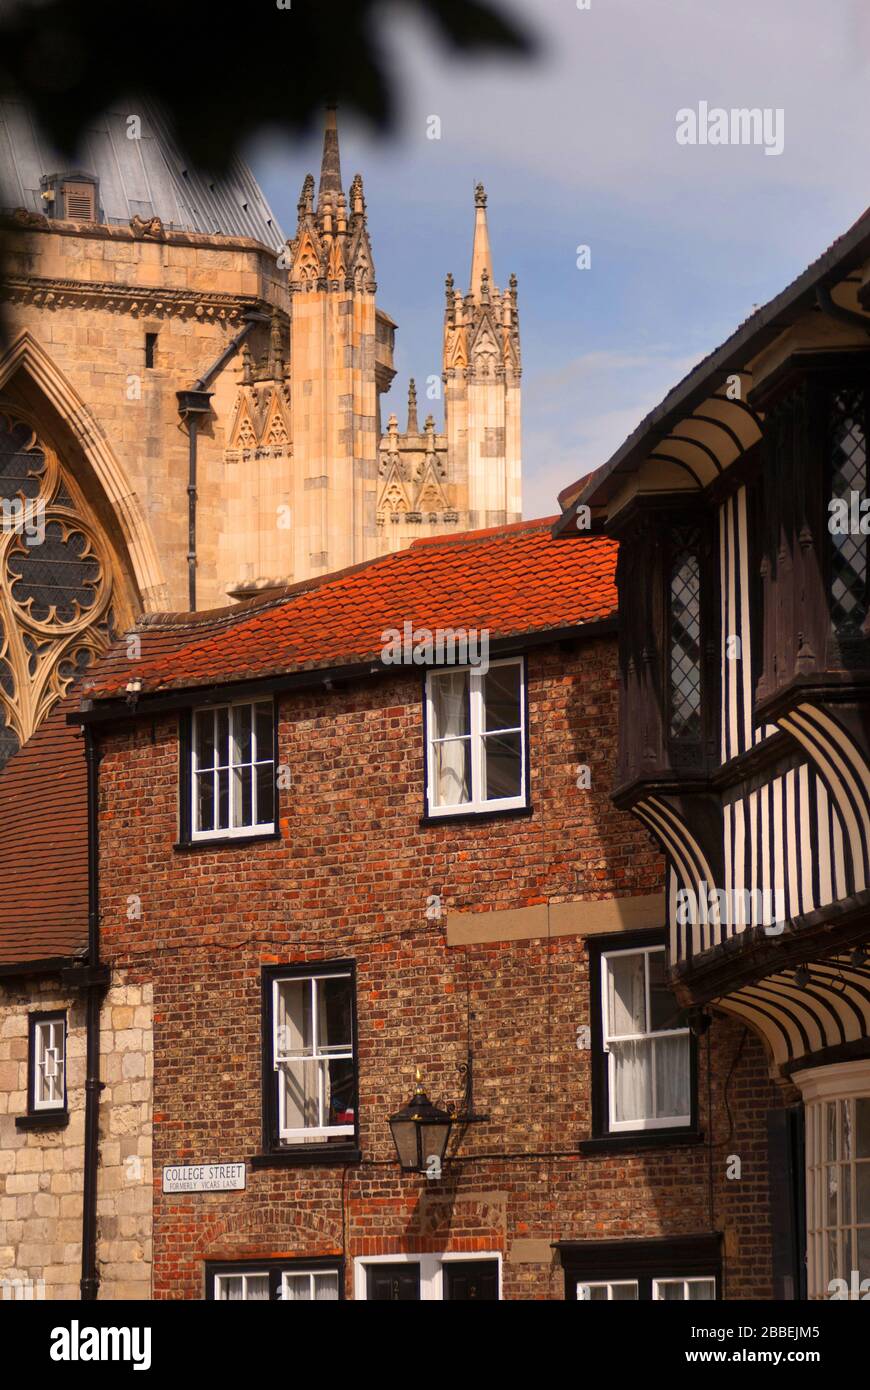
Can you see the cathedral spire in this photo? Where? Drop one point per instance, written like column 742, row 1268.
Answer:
column 481, row 256
column 330, row 165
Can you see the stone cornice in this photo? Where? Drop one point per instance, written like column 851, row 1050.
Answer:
column 51, row 293
column 139, row 229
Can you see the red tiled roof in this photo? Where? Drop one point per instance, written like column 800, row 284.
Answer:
column 509, row 580
column 44, row 845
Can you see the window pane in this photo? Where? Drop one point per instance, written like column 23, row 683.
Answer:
column 339, row 1091
column 501, row 697
column 864, row 1253
column 265, row 730
column 294, row 1026
column 702, row 1290
column 223, row 800
column 230, row 1287
column 670, row 1290
column 242, row 734
column 831, row 1186
column 325, row 1287
column 631, row 1081
column 622, row 1292
column 205, row 801
column 243, row 813
column 862, row 1126
column 297, row 1288
column 846, row 1129
column 223, row 736
column 664, row 1012
column 334, row 1013
column 265, row 793
column 451, row 715
column 831, row 1118
column 301, row 1082
column 257, row 1289
column 502, row 765
column 205, row 738
column 451, row 773
column 862, row 1193
column 672, row 1067
column 626, row 995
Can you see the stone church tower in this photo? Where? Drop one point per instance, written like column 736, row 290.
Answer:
column 190, row 403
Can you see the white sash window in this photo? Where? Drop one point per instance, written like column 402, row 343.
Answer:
column 312, row 1050
column 476, row 725
column 648, row 1059
column 233, row 770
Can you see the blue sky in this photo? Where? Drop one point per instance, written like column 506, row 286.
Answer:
column 579, row 147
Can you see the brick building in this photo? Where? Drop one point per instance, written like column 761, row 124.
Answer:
column 332, row 863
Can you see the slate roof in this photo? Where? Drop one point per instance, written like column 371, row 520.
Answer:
column 510, row 580
column 44, row 846
column 147, row 177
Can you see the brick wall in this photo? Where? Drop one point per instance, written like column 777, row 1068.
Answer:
column 350, row 877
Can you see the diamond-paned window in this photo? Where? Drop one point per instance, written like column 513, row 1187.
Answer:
column 848, row 465
column 685, row 635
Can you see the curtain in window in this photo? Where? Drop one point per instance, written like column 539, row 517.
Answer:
column 299, row 1077
column 451, row 769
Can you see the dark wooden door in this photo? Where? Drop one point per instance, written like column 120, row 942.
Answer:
column 393, row 1283
column 471, row 1279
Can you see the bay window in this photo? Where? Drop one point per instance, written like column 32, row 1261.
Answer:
column 476, row 739
column 837, row 1102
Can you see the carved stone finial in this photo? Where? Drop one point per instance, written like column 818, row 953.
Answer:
column 413, row 427
column 306, row 197
column 479, row 196
column 247, row 365
column 357, row 197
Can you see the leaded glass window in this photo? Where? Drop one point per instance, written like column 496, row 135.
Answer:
column 848, row 475
column 685, row 635
column 58, row 580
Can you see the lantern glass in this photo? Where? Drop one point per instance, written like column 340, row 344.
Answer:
column 406, row 1140
column 420, row 1132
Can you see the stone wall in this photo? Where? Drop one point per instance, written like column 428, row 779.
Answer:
column 41, row 1171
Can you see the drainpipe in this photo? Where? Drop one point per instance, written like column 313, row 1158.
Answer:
column 192, row 405
column 95, row 978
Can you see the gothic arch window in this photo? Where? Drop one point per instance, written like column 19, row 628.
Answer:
column 60, row 584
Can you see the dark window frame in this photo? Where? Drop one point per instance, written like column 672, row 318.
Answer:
column 47, row 1117
column 331, row 1264
column 665, row 1257
column 275, row 1153
column 186, row 840
column 602, row 1136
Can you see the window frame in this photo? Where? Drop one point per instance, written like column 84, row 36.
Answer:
column 432, row 1282
column 475, row 806
column 344, row 1147
column 188, row 837
column 35, row 1022
column 275, row 1270
column 645, row 1262
column 650, row 1132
